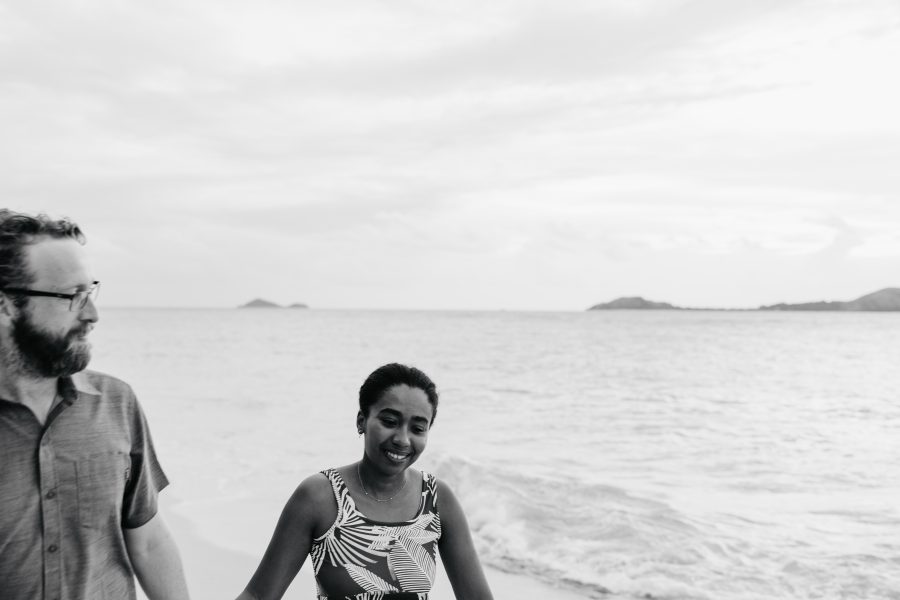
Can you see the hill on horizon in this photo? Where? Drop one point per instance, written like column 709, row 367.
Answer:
column 260, row 303
column 885, row 300
column 634, row 303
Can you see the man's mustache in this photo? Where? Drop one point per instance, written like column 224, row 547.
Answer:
column 78, row 332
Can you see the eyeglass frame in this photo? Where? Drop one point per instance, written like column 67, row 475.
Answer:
column 91, row 292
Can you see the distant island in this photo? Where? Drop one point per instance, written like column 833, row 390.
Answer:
column 887, row 299
column 884, row 300
column 260, row 303
column 634, row 303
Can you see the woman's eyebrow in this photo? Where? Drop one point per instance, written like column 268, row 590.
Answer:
column 396, row 413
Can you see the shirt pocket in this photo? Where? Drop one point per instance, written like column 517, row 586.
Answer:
column 101, row 480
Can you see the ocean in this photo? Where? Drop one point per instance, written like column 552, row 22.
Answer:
column 615, row 454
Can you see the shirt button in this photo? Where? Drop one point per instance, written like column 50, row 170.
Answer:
column 52, row 548
column 50, row 495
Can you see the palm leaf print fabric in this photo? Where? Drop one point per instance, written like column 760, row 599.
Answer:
column 362, row 559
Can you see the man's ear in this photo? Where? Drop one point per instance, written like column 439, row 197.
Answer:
column 360, row 422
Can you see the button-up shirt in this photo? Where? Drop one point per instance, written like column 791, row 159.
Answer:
column 69, row 487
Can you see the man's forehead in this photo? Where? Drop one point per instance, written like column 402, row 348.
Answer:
column 57, row 262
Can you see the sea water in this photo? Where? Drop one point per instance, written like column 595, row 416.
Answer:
column 626, row 454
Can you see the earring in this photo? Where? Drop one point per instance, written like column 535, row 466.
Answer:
column 360, row 431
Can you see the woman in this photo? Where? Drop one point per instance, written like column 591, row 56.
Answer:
column 372, row 527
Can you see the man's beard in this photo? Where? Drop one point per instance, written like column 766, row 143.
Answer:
column 46, row 354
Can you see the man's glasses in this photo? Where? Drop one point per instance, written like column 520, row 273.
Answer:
column 77, row 301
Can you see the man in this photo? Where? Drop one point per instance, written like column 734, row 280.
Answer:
column 79, row 476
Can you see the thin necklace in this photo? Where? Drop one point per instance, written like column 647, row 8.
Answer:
column 372, row 496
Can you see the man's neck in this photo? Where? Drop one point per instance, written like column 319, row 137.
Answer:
column 36, row 393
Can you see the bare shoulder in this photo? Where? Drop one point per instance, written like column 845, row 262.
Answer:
column 443, row 491
column 448, row 506
column 314, row 489
column 313, row 503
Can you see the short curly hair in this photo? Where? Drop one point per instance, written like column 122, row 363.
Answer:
column 17, row 230
column 387, row 376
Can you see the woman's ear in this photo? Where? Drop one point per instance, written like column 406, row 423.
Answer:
column 360, row 422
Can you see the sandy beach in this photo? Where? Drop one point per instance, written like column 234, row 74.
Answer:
column 216, row 572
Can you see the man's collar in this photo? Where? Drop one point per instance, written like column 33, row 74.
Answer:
column 77, row 383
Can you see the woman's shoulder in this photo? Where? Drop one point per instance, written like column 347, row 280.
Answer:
column 445, row 499
column 315, row 490
column 439, row 485
column 313, row 502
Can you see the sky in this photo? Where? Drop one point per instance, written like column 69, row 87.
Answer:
column 509, row 155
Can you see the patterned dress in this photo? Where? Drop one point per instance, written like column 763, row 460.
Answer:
column 362, row 559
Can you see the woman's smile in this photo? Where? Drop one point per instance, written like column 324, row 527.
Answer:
column 397, row 456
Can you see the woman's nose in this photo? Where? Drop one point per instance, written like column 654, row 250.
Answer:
column 401, row 437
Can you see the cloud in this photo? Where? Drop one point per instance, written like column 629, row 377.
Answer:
column 482, row 148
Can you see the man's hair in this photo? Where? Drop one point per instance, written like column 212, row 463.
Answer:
column 18, row 230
